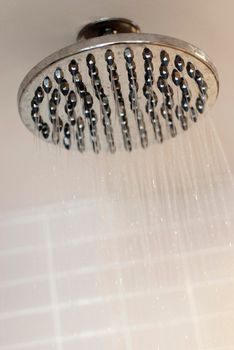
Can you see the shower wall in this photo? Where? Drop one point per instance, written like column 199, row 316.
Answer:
column 68, row 282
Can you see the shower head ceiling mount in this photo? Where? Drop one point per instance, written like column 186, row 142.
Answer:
column 117, row 88
column 107, row 26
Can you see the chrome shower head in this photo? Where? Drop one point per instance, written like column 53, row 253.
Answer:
column 117, row 89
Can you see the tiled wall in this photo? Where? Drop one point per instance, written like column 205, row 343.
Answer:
column 72, row 279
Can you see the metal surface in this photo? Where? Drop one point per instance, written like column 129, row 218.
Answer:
column 118, row 43
column 140, row 38
column 107, row 26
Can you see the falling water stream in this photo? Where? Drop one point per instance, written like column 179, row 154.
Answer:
column 158, row 248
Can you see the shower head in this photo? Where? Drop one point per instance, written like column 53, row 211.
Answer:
column 117, row 88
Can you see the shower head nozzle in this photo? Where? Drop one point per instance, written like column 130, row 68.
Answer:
column 117, row 88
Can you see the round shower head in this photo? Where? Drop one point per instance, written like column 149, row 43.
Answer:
column 117, row 88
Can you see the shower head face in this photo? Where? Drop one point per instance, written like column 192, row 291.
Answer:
column 118, row 92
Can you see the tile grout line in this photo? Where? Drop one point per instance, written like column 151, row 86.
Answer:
column 53, row 287
column 114, row 331
column 105, row 299
column 110, row 266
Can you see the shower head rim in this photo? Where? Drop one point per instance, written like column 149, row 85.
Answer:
column 115, row 39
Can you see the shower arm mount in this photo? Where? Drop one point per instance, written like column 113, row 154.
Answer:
column 106, row 26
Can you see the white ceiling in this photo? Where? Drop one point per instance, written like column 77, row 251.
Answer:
column 30, row 30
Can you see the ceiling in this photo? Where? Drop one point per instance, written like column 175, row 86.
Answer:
column 31, row 30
